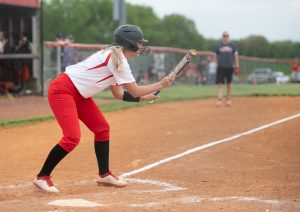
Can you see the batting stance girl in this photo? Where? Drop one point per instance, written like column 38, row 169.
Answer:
column 70, row 100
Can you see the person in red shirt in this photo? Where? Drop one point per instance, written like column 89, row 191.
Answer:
column 295, row 65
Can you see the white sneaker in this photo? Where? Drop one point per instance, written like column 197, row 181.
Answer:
column 44, row 183
column 109, row 179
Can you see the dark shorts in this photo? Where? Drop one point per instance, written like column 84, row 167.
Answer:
column 224, row 75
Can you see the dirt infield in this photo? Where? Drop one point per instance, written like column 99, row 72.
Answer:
column 27, row 106
column 255, row 171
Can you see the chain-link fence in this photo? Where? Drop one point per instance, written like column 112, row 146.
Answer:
column 161, row 60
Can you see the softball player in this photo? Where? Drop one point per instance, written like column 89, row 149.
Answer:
column 70, row 99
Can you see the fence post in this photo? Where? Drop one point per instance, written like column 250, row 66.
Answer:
column 58, row 60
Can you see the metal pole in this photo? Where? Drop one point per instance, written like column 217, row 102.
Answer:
column 119, row 11
column 58, row 60
column 116, row 10
column 42, row 50
column 122, row 11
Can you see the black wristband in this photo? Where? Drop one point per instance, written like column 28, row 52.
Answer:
column 127, row 97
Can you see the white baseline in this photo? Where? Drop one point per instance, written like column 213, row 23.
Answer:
column 201, row 147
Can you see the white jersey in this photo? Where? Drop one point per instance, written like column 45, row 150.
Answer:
column 97, row 72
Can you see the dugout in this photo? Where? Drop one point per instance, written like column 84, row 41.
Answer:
column 20, row 56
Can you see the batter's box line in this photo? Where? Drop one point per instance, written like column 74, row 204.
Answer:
column 271, row 203
column 199, row 199
column 166, row 187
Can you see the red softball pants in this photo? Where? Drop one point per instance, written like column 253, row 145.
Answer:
column 69, row 107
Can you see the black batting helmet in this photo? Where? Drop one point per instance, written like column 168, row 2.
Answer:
column 127, row 36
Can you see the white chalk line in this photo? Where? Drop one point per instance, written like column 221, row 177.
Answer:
column 15, row 186
column 165, row 187
column 198, row 199
column 178, row 200
column 205, row 146
column 169, row 201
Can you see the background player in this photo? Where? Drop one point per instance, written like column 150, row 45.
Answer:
column 70, row 100
column 228, row 61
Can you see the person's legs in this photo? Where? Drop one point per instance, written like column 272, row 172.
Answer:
column 220, row 91
column 220, row 81
column 229, row 91
column 65, row 111
column 92, row 117
column 229, row 74
column 63, row 105
column 42, row 180
column 228, row 98
column 54, row 157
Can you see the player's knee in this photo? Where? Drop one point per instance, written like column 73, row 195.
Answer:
column 69, row 143
column 102, row 133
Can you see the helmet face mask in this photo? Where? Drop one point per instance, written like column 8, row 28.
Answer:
column 128, row 36
column 143, row 51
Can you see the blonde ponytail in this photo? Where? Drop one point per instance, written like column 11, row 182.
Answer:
column 116, row 56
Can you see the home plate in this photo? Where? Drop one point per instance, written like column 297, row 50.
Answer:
column 74, row 203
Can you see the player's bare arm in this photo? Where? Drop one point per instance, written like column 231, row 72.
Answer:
column 236, row 60
column 137, row 90
column 118, row 93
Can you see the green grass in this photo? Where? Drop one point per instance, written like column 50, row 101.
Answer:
column 267, row 90
column 182, row 92
column 24, row 121
column 179, row 93
column 119, row 105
